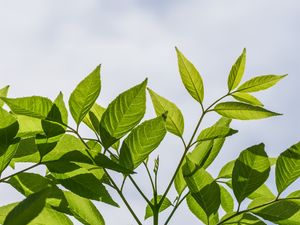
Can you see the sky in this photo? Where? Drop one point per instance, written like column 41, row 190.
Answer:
column 49, row 46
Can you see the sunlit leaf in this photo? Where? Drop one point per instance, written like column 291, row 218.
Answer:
column 247, row 98
column 3, row 93
column 288, row 167
column 190, row 77
column 93, row 117
column 123, row 114
column 242, row 111
column 226, row 200
column 250, row 171
column 142, row 141
column 174, row 122
column 84, row 95
column 260, row 83
column 237, row 71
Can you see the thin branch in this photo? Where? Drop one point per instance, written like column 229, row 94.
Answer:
column 24, row 170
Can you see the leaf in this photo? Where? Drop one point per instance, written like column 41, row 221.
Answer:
column 141, row 142
column 179, row 181
column 7, row 153
column 196, row 209
column 27, row 209
column 105, row 162
column 287, row 168
column 190, row 77
column 247, row 98
column 34, row 106
column 8, row 127
column 245, row 218
column 203, row 188
column 59, row 102
column 165, row 204
column 84, row 95
column 123, row 114
column 93, row 118
column 29, row 126
column 210, row 142
column 3, row 93
column 27, row 151
column 174, row 121
column 242, row 111
column 226, row 171
column 251, row 170
column 260, row 83
column 83, row 209
column 262, row 191
column 237, row 71
column 79, row 180
column 226, row 200
column 280, row 212
column 47, row 216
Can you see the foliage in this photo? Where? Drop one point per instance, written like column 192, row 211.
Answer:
column 36, row 131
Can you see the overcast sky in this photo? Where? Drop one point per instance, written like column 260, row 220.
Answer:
column 49, row 46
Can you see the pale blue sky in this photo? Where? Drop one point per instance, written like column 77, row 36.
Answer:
column 48, row 46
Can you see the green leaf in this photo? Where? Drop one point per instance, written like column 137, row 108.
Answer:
column 105, row 162
column 3, row 93
column 226, row 171
column 203, row 188
column 196, row 209
column 260, row 83
column 214, row 132
column 245, row 218
column 226, row 200
column 29, row 126
column 174, row 122
column 251, row 170
column 93, row 118
column 84, row 95
column 247, row 98
column 34, row 106
column 83, row 209
column 242, row 111
column 47, row 216
column 8, row 127
column 237, row 71
column 123, row 114
column 179, row 181
column 28, row 209
column 27, row 151
column 59, row 102
column 190, row 77
column 141, row 142
column 262, row 191
column 79, row 180
column 288, row 167
column 280, row 212
column 7, row 153
column 211, row 142
column 165, row 204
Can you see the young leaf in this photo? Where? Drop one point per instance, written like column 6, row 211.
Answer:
column 93, row 118
column 288, row 167
column 85, row 95
column 165, row 204
column 203, row 188
column 196, row 209
column 237, row 71
column 174, row 122
column 123, row 114
column 242, row 111
column 34, row 106
column 83, row 209
column 247, row 98
column 3, row 93
column 28, row 209
column 251, row 170
column 190, row 77
column 142, row 141
column 226, row 200
column 260, row 83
